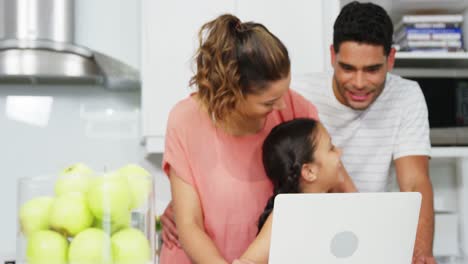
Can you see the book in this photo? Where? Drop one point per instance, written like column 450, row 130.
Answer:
column 428, row 34
column 430, row 25
column 433, row 43
column 449, row 45
column 430, row 21
column 442, row 18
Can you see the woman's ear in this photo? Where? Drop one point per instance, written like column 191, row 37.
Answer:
column 309, row 172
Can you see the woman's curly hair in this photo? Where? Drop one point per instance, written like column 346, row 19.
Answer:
column 235, row 59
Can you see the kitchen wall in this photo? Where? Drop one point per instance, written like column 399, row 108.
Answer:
column 44, row 128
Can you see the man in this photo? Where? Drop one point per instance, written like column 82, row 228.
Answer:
column 373, row 116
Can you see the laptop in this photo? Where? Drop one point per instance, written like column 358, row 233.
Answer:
column 351, row 228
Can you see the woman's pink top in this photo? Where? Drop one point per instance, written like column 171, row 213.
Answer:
column 226, row 171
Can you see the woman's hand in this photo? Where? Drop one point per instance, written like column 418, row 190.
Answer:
column 169, row 231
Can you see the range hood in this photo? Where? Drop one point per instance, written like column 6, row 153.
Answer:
column 37, row 46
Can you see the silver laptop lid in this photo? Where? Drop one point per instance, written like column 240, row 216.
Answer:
column 351, row 228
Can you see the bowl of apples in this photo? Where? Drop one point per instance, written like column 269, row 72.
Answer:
column 83, row 217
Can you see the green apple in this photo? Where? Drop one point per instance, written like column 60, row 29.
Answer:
column 75, row 178
column 139, row 182
column 109, row 197
column 130, row 246
column 91, row 246
column 111, row 227
column 69, row 214
column 34, row 215
column 46, row 247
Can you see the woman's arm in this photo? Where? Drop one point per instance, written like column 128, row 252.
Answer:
column 189, row 220
column 259, row 251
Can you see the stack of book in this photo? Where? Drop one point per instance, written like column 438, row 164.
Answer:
column 429, row 33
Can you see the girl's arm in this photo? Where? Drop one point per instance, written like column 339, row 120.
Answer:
column 189, row 220
column 259, row 251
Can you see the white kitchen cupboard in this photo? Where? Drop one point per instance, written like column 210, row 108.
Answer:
column 299, row 24
column 169, row 35
column 449, row 174
column 108, row 27
column 169, row 42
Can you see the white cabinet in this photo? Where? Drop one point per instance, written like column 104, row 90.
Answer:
column 169, row 30
column 299, row 24
column 449, row 174
column 109, row 27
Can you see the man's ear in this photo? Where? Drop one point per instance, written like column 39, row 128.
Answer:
column 309, row 172
column 332, row 55
column 391, row 59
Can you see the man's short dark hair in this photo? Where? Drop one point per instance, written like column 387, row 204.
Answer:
column 365, row 23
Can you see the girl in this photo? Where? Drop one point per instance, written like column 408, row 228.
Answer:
column 298, row 157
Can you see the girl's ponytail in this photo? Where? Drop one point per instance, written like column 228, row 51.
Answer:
column 290, row 184
column 287, row 147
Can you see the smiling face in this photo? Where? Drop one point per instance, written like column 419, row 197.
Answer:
column 360, row 73
column 258, row 106
column 327, row 160
column 324, row 171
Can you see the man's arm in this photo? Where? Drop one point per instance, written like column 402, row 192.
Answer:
column 413, row 176
column 189, row 220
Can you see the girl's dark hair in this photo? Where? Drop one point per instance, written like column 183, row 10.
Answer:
column 288, row 146
column 235, row 59
column 364, row 23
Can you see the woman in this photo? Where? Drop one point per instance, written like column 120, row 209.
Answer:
column 214, row 137
column 298, row 157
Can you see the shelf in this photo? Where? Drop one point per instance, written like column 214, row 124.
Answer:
column 432, row 64
column 449, row 152
column 430, row 73
column 154, row 144
column 402, row 55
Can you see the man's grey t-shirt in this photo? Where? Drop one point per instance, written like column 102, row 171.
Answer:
column 394, row 126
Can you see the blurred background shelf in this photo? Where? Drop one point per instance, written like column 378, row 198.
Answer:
column 420, row 55
column 449, row 152
column 432, row 64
